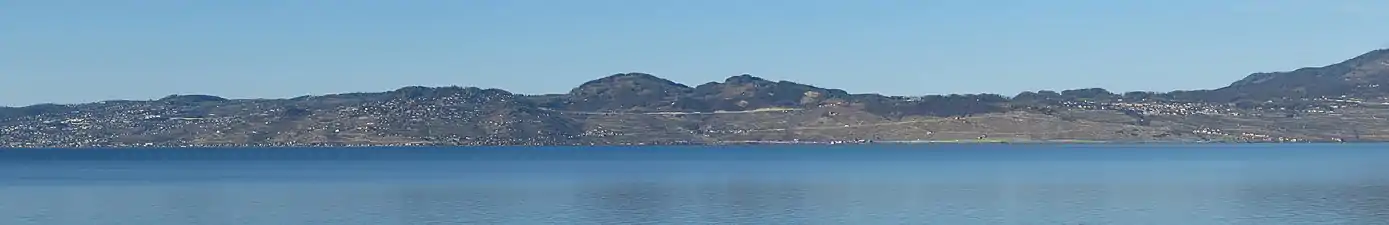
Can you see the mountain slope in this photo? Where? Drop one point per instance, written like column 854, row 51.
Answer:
column 746, row 92
column 638, row 108
column 1366, row 75
column 627, row 91
column 412, row 115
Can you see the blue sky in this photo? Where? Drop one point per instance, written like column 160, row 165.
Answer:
column 67, row 51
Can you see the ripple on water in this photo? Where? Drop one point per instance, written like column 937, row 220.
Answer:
column 1076, row 187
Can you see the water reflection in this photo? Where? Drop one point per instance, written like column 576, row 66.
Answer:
column 625, row 202
column 428, row 204
column 1093, row 192
column 752, row 202
column 718, row 202
column 1314, row 204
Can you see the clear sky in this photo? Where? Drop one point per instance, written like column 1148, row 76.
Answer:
column 70, row 51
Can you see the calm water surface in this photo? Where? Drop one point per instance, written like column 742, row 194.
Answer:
column 888, row 184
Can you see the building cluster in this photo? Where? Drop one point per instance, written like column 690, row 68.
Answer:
column 462, row 117
column 118, row 124
column 1158, row 108
column 451, row 120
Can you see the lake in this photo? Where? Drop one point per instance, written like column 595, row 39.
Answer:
column 1256, row 184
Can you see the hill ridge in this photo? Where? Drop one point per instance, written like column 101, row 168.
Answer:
column 1308, row 104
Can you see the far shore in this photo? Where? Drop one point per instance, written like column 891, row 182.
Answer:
column 723, row 143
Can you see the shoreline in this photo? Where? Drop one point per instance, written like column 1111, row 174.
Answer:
column 714, row 144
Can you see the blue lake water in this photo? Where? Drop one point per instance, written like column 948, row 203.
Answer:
column 858, row 184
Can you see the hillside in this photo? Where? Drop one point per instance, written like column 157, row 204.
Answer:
column 1365, row 76
column 1334, row 103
